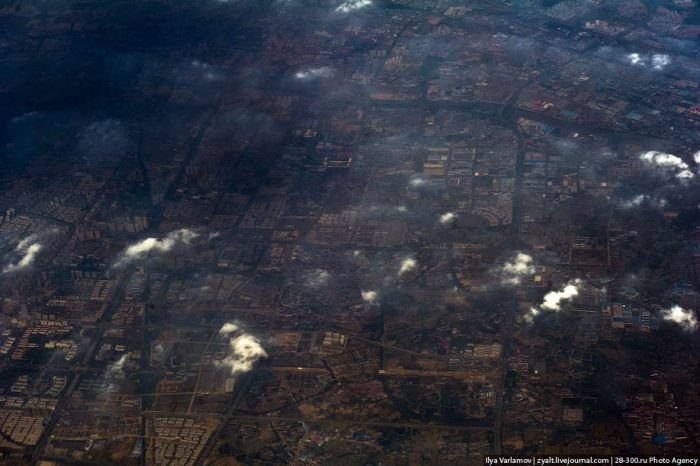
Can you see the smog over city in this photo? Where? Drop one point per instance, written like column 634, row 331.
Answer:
column 349, row 232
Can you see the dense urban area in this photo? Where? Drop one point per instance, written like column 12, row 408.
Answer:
column 348, row 232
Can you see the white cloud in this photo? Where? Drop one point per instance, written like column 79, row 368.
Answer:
column 229, row 327
column 369, row 296
column 553, row 300
column 667, row 162
column 663, row 160
column 423, row 183
column 417, row 182
column 636, row 201
column 350, row 5
column 244, row 349
column 532, row 313
column 660, row 60
column 116, row 369
column 115, row 372
column 447, row 217
column 514, row 270
column 141, row 249
column 312, row 73
column 28, row 249
column 641, row 199
column 685, row 318
column 685, row 175
column 407, row 265
column 696, row 157
column 635, row 59
column 317, row 278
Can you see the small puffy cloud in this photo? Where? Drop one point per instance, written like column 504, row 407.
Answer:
column 642, row 199
column 420, row 183
column 244, row 349
column 514, row 270
column 668, row 163
column 116, row 369
column 685, row 175
column 417, row 182
column 407, row 265
column 369, row 296
column 663, row 160
column 532, row 313
column 317, row 278
column 553, row 300
column 636, row 201
column 685, row 318
column 26, row 252
column 447, row 218
column 658, row 61
column 351, row 5
column 115, row 372
column 696, row 157
column 313, row 73
column 144, row 247
column 228, row 328
column 635, row 58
